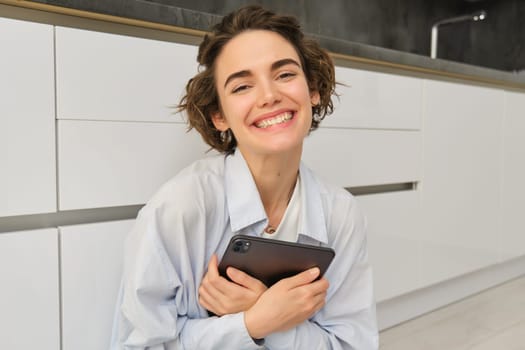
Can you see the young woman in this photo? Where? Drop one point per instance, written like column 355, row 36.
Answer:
column 262, row 89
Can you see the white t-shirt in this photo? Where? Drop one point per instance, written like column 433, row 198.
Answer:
column 289, row 226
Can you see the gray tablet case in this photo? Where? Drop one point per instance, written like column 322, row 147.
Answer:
column 270, row 260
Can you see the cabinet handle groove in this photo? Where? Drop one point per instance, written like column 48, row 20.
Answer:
column 383, row 188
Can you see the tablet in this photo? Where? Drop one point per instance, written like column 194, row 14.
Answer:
column 270, row 260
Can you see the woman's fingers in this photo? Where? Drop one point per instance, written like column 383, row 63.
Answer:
column 243, row 279
column 221, row 296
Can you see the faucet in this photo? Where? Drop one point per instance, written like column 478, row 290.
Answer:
column 476, row 16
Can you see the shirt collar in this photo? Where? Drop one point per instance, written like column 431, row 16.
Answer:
column 313, row 222
column 243, row 200
column 245, row 206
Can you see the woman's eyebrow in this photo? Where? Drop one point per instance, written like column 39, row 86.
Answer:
column 276, row 65
column 239, row 74
column 285, row 61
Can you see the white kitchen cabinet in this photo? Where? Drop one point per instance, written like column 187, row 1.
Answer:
column 461, row 179
column 393, row 241
column 27, row 119
column 103, row 164
column 374, row 100
column 91, row 267
column 103, row 76
column 512, row 239
column 29, row 296
column 355, row 157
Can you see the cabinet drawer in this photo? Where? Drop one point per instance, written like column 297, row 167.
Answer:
column 352, row 157
column 512, row 239
column 27, row 119
column 393, row 241
column 114, row 77
column 376, row 100
column 29, row 298
column 461, row 189
column 104, row 164
column 91, row 257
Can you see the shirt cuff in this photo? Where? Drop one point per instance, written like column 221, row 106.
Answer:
column 244, row 338
column 281, row 340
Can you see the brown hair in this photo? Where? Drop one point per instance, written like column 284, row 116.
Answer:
column 201, row 100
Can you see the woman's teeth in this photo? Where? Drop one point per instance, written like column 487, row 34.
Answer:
column 281, row 118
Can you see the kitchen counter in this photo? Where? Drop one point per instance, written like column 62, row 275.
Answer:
column 153, row 14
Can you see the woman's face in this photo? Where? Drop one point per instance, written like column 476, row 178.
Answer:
column 263, row 94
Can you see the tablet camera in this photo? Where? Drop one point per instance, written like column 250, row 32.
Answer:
column 241, row 246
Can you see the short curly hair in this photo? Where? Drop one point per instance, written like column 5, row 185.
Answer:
column 201, row 100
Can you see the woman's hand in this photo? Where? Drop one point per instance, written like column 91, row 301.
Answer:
column 222, row 297
column 286, row 304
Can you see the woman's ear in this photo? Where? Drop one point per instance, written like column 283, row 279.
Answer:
column 315, row 98
column 219, row 121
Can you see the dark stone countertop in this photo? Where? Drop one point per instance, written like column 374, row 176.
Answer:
column 155, row 11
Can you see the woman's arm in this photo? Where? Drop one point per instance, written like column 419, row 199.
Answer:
column 348, row 319
column 158, row 306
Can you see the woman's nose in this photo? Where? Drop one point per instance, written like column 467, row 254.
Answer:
column 268, row 94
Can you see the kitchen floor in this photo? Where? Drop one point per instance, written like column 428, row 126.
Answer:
column 491, row 320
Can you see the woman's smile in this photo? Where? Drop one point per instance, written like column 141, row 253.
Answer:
column 276, row 120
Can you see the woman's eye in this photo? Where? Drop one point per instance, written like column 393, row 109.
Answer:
column 239, row 88
column 286, row 75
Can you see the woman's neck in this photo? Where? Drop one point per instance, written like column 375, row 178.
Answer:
column 275, row 177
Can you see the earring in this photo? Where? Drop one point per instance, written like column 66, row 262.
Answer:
column 225, row 136
column 315, row 113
